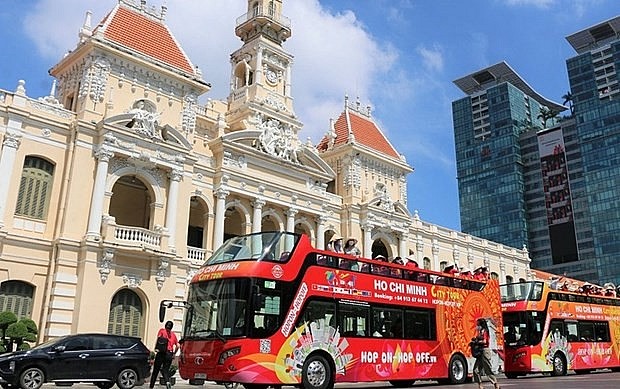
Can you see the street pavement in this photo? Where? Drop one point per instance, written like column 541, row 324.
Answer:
column 597, row 380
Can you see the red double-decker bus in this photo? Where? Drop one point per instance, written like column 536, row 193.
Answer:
column 552, row 331
column 268, row 309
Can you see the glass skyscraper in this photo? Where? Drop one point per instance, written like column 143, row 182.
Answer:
column 549, row 183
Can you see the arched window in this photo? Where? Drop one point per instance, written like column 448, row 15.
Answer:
column 125, row 314
column 35, row 188
column 427, row 263
column 509, row 279
column 16, row 297
column 442, row 265
column 494, row 276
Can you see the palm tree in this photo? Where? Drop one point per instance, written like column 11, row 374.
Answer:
column 568, row 98
column 546, row 114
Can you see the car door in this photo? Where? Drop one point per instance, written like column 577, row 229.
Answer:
column 104, row 360
column 69, row 359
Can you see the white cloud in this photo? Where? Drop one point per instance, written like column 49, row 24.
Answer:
column 432, row 57
column 333, row 53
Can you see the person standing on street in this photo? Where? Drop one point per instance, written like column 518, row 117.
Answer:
column 482, row 366
column 166, row 347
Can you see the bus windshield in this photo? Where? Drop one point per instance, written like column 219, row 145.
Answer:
column 226, row 308
column 270, row 246
column 217, row 309
column 521, row 291
column 523, row 328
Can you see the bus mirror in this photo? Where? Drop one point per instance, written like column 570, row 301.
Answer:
column 162, row 312
column 162, row 309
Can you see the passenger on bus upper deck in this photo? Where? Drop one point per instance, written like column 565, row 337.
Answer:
column 411, row 261
column 610, row 289
column 350, row 247
column 465, row 272
column 451, row 269
column 379, row 269
column 335, row 244
column 481, row 273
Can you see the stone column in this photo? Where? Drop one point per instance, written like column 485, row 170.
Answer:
column 259, row 66
column 367, row 240
column 402, row 249
column 103, row 156
column 290, row 219
column 7, row 160
column 502, row 271
column 287, row 92
column 220, row 210
column 176, row 175
column 320, row 232
column 257, row 214
column 435, row 251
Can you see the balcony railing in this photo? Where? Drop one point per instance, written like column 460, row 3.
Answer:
column 137, row 237
column 197, row 256
column 265, row 13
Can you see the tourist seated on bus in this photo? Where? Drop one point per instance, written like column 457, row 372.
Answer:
column 380, row 269
column 348, row 264
column 481, row 273
column 610, row 289
column 465, row 272
column 411, row 262
column 451, row 269
column 586, row 336
column 397, row 272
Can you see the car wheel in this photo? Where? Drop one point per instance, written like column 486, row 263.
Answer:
column 104, row 385
column 127, row 378
column 31, row 378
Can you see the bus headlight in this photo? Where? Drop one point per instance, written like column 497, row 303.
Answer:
column 227, row 354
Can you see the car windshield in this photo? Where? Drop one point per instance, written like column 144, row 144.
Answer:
column 269, row 246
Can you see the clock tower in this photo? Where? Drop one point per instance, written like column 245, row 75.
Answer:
column 260, row 86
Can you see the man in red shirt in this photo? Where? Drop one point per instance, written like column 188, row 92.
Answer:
column 163, row 359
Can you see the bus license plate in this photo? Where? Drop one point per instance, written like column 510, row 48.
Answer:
column 200, row 376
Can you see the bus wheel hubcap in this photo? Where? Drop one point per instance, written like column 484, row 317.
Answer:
column 316, row 373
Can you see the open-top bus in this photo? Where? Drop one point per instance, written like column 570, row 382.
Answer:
column 268, row 309
column 552, row 331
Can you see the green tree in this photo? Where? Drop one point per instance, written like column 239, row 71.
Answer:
column 6, row 319
column 568, row 98
column 546, row 114
column 17, row 333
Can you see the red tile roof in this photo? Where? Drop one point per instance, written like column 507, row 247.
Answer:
column 364, row 131
column 144, row 34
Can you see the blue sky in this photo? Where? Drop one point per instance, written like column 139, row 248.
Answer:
column 399, row 56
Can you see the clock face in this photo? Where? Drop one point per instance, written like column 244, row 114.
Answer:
column 272, row 77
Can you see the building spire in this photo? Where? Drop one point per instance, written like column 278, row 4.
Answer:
column 86, row 31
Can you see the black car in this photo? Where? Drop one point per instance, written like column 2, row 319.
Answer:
column 101, row 359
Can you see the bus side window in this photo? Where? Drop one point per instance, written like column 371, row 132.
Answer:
column 571, row 330
column 601, row 331
column 319, row 312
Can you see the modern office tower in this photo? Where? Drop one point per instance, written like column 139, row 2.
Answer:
column 553, row 186
column 488, row 124
column 595, row 93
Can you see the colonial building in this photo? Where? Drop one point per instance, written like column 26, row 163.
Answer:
column 116, row 186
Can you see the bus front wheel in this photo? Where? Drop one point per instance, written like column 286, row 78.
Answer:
column 559, row 365
column 317, row 373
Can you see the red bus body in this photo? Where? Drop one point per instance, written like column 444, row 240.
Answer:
column 438, row 321
column 558, row 330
